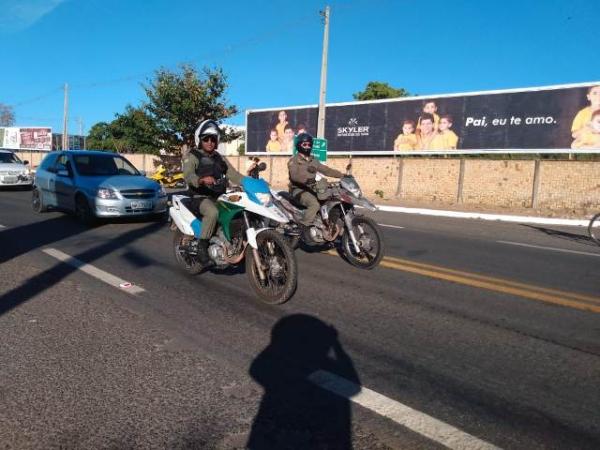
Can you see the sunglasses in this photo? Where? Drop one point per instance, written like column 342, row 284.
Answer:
column 209, row 139
column 305, row 145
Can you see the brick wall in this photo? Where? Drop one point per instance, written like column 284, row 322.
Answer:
column 562, row 185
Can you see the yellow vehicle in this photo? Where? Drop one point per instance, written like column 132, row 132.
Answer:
column 168, row 180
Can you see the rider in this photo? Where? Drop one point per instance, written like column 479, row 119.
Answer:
column 207, row 173
column 303, row 169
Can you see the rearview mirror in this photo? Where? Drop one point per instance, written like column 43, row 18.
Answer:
column 26, row 162
column 262, row 166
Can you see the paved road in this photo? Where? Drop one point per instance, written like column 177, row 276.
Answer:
column 471, row 334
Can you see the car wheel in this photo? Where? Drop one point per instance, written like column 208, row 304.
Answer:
column 83, row 212
column 37, row 203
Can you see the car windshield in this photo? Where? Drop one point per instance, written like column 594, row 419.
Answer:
column 98, row 165
column 9, row 158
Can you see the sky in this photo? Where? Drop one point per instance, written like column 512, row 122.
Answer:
column 271, row 50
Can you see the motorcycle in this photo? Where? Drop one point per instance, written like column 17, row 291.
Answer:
column 243, row 233
column 169, row 180
column 357, row 238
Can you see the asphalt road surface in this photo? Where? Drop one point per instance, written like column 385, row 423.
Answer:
column 470, row 334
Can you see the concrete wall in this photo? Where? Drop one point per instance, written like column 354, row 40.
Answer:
column 559, row 185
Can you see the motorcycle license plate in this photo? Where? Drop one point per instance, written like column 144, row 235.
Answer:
column 141, row 205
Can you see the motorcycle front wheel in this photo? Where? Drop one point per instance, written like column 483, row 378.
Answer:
column 185, row 261
column 370, row 242
column 278, row 262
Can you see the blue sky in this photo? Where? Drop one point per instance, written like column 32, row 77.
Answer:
column 271, row 50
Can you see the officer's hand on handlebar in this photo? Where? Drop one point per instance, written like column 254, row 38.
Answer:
column 207, row 181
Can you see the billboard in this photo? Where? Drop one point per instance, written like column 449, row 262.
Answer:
column 31, row 138
column 536, row 120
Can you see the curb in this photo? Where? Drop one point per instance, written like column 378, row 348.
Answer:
column 484, row 216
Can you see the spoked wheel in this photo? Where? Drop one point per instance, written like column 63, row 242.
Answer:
column 594, row 229
column 370, row 243
column 279, row 266
column 186, row 261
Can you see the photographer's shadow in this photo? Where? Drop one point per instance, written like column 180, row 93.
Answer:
column 294, row 412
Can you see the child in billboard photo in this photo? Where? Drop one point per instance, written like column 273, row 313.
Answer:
column 280, row 127
column 273, row 145
column 288, row 139
column 583, row 117
column 445, row 138
column 589, row 136
column 407, row 140
column 428, row 134
column 301, row 129
column 429, row 107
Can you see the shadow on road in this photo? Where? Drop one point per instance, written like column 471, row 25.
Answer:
column 581, row 238
column 294, row 413
column 39, row 283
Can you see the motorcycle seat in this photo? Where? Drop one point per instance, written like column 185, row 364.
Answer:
column 290, row 198
column 193, row 204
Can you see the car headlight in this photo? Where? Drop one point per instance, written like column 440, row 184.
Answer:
column 161, row 192
column 107, row 194
column 264, row 198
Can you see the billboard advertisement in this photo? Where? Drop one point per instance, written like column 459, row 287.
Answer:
column 538, row 120
column 31, row 138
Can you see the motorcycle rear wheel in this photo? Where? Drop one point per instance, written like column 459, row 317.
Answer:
column 279, row 265
column 186, row 262
column 370, row 241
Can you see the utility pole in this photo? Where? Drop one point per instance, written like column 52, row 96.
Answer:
column 65, row 136
column 80, row 122
column 323, row 90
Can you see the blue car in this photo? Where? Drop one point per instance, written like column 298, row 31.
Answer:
column 95, row 184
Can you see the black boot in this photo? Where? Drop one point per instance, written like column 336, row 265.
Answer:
column 203, row 252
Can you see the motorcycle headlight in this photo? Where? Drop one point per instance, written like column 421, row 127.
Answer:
column 161, row 192
column 107, row 194
column 264, row 198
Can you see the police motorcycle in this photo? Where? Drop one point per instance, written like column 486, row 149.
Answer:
column 244, row 235
column 356, row 237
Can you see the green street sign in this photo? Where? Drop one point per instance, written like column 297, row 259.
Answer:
column 319, row 149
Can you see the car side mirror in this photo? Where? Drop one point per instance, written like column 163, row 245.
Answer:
column 63, row 173
column 262, row 166
column 26, row 162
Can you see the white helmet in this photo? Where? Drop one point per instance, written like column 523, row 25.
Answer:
column 208, row 127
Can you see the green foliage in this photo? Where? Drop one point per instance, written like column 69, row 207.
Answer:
column 7, row 115
column 100, row 137
column 379, row 193
column 179, row 101
column 241, row 149
column 376, row 90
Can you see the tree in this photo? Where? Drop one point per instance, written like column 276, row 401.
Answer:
column 377, row 90
column 7, row 115
column 100, row 137
column 179, row 101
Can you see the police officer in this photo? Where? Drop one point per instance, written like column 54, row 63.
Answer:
column 303, row 169
column 207, row 173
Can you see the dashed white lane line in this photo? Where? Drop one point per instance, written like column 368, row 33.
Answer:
column 552, row 249
column 2, row 226
column 391, row 226
column 406, row 416
column 93, row 271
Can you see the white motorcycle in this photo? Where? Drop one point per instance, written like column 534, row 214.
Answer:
column 243, row 231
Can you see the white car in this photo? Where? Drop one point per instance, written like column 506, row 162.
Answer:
column 13, row 171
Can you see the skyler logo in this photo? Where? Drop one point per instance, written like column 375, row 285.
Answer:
column 353, row 129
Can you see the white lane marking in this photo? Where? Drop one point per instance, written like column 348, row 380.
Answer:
column 390, row 226
column 552, row 249
column 94, row 271
column 2, row 226
column 498, row 217
column 406, row 416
